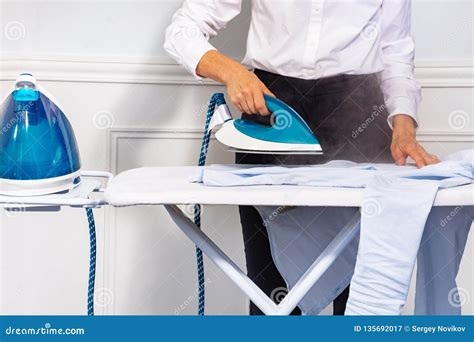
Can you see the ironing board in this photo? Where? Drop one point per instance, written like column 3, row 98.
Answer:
column 170, row 186
column 79, row 197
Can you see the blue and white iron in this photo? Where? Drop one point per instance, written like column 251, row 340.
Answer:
column 38, row 149
column 288, row 133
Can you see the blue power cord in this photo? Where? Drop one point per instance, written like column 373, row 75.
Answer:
column 92, row 262
column 216, row 100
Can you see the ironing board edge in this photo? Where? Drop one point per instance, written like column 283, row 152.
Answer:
column 177, row 189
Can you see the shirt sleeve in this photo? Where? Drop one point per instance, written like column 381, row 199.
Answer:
column 187, row 37
column 399, row 86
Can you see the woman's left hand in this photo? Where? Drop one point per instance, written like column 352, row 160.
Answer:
column 404, row 143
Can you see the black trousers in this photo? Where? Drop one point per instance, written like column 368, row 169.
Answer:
column 348, row 115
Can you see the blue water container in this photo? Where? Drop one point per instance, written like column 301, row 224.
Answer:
column 38, row 149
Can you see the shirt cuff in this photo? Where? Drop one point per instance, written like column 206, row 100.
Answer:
column 402, row 105
column 194, row 51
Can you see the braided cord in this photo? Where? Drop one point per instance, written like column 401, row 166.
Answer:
column 92, row 262
column 216, row 100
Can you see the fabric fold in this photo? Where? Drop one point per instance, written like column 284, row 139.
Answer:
column 394, row 213
column 396, row 208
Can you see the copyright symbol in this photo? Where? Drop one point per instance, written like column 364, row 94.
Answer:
column 407, row 328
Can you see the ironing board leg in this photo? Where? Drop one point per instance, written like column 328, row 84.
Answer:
column 256, row 295
column 319, row 266
column 222, row 261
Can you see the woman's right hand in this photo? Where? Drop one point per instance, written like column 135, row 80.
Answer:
column 246, row 92
column 244, row 88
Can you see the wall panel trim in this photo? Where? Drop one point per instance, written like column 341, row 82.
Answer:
column 431, row 74
column 117, row 134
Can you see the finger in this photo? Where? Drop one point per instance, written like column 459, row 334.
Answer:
column 240, row 108
column 246, row 98
column 243, row 104
column 416, row 154
column 260, row 105
column 428, row 159
column 398, row 156
column 237, row 105
column 235, row 101
column 432, row 159
column 245, row 107
column 250, row 104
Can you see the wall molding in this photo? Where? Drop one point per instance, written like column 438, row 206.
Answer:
column 431, row 74
column 445, row 136
column 99, row 72
column 117, row 134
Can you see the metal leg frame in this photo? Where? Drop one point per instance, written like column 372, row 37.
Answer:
column 256, row 295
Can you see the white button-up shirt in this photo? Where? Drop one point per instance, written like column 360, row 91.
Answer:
column 310, row 40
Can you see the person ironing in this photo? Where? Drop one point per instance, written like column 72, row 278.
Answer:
column 346, row 66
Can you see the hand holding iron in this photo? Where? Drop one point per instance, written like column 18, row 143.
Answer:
column 246, row 92
column 244, row 88
column 404, row 143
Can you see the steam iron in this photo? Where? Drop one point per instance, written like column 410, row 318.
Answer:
column 38, row 149
column 288, row 133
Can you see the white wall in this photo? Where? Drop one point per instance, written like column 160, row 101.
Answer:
column 131, row 106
